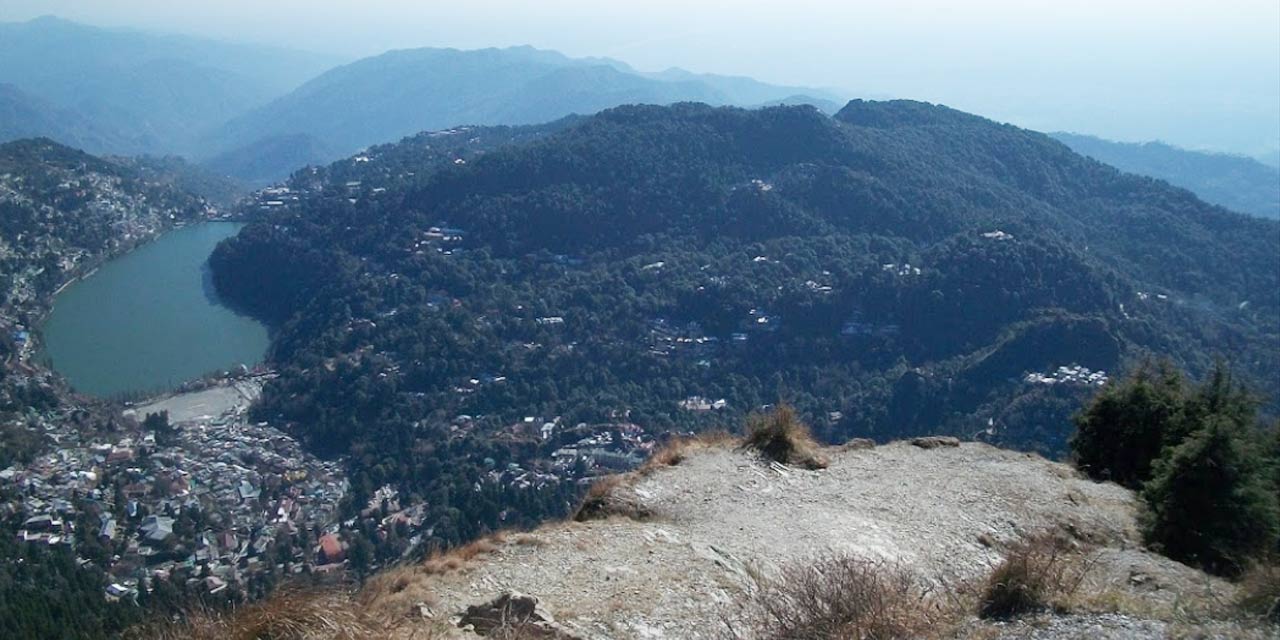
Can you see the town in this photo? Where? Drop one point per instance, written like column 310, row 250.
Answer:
column 190, row 487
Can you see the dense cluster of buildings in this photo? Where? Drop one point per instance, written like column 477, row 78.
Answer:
column 209, row 499
column 1069, row 374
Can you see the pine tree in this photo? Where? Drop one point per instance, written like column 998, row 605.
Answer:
column 1125, row 429
column 1210, row 501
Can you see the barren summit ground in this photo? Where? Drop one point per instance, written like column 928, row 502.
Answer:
column 722, row 518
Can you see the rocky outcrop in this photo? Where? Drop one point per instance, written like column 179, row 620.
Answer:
column 934, row 442
column 720, row 520
column 513, row 613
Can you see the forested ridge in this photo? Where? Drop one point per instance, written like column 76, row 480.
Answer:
column 1238, row 183
column 898, row 269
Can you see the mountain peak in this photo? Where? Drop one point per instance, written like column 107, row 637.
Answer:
column 889, row 114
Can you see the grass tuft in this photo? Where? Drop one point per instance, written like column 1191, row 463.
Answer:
column 1039, row 573
column 456, row 558
column 780, row 436
column 605, row 499
column 840, row 597
column 1259, row 592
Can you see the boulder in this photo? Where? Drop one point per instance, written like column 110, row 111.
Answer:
column 934, row 442
column 513, row 612
column 859, row 444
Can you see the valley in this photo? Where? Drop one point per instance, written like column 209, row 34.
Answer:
column 449, row 343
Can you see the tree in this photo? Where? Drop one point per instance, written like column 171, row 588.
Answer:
column 158, row 423
column 1123, row 431
column 360, row 553
column 1275, row 468
column 1210, row 501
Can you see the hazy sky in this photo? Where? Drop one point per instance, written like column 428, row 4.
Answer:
column 1197, row 73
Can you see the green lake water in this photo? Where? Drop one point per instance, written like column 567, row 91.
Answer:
column 150, row 320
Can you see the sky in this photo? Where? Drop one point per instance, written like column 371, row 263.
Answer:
column 1200, row 74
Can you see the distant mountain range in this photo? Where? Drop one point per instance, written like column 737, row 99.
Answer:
column 271, row 159
column 23, row 115
column 399, row 93
column 257, row 113
column 1238, row 183
column 141, row 93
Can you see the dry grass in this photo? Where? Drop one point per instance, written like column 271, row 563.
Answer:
column 516, row 630
column 397, row 592
column 1259, row 592
column 841, row 598
column 288, row 614
column 1041, row 573
column 679, row 449
column 456, row 558
column 606, row 498
column 780, row 436
column 529, row 540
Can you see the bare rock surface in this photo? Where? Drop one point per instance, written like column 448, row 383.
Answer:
column 721, row 517
column 1114, row 626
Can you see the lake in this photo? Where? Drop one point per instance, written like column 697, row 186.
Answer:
column 150, row 320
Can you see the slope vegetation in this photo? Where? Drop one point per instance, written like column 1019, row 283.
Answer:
column 896, row 269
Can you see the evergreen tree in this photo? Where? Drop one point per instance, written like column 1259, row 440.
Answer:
column 1123, row 431
column 1210, row 501
column 1275, row 470
column 158, row 423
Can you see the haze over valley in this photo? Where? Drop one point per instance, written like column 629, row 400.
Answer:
column 587, row 322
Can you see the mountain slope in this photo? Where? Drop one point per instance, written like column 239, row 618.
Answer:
column 1235, row 182
column 399, row 93
column 272, row 159
column 156, row 93
column 898, row 269
column 25, row 116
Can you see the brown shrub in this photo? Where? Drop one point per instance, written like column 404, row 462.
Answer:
column 605, row 498
column 780, row 436
column 1039, row 573
column 839, row 598
column 288, row 614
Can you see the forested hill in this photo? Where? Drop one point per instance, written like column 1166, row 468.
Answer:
column 25, row 116
column 900, row 268
column 1236, row 182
